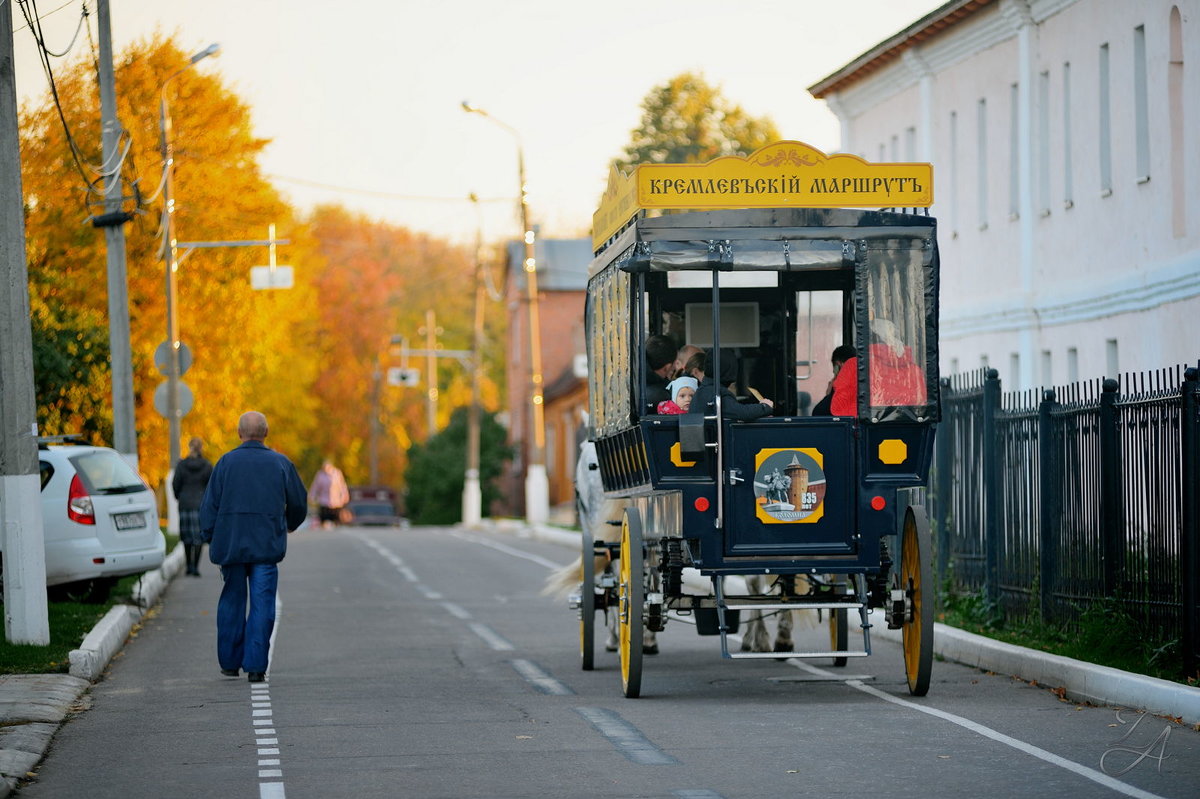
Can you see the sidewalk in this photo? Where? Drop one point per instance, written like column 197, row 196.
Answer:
column 32, row 706
column 1080, row 681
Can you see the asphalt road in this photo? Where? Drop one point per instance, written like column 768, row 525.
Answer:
column 425, row 663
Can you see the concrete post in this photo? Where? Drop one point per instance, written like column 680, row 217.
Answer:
column 25, row 611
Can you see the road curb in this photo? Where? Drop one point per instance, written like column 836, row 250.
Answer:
column 109, row 634
column 1080, row 681
column 33, row 707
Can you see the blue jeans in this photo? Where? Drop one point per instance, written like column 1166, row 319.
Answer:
column 244, row 639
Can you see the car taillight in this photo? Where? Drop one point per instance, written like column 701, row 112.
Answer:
column 79, row 504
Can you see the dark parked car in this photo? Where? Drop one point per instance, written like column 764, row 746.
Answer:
column 373, row 506
column 373, row 513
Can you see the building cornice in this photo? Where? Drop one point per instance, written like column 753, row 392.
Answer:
column 891, row 49
column 977, row 24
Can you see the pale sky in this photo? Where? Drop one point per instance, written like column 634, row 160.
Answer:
column 366, row 94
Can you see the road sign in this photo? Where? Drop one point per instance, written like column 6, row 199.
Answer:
column 186, row 400
column 162, row 355
column 266, row 277
column 403, row 377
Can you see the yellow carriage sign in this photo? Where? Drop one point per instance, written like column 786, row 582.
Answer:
column 781, row 175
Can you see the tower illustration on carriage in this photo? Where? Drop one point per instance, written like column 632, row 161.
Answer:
column 789, row 255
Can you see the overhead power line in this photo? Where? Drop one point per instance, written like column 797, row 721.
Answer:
column 387, row 195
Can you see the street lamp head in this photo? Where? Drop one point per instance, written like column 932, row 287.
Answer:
column 212, row 49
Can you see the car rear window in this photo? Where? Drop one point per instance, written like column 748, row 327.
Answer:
column 372, row 508
column 106, row 472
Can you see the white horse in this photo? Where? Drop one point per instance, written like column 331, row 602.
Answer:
column 602, row 518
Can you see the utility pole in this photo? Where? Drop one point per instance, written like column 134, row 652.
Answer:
column 113, row 221
column 25, row 612
column 472, row 499
column 431, row 331
column 373, row 441
column 537, row 489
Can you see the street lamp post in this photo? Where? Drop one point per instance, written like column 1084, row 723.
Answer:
column 472, row 499
column 170, row 256
column 537, row 493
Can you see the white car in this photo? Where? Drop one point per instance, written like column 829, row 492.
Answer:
column 99, row 520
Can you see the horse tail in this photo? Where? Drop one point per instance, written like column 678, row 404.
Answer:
column 563, row 579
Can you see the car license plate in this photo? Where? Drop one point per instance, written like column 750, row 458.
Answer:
column 129, row 521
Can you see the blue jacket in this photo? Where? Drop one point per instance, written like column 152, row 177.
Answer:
column 253, row 500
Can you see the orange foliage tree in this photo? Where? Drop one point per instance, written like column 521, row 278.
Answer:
column 305, row 356
column 243, row 341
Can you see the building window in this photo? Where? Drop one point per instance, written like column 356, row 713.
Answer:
column 910, row 144
column 1068, row 179
column 1175, row 120
column 954, row 366
column 1105, row 126
column 1014, row 152
column 983, row 163
column 882, row 152
column 1043, row 143
column 1072, row 365
column 1141, row 112
column 1111, row 363
column 895, row 148
column 953, row 174
column 1014, row 368
column 1047, row 369
column 983, row 360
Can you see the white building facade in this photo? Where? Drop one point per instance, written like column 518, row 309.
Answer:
column 1065, row 139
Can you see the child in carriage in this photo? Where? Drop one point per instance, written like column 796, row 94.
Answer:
column 682, row 390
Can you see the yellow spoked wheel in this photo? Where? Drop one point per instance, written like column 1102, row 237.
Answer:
column 632, row 596
column 587, row 604
column 839, row 638
column 916, row 579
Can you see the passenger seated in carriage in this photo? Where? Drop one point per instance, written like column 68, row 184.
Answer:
column 682, row 389
column 660, row 367
column 706, row 392
column 895, row 378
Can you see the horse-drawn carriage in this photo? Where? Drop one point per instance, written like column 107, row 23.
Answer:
column 768, row 282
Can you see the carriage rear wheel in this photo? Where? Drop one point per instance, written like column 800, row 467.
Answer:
column 916, row 579
column 632, row 596
column 587, row 604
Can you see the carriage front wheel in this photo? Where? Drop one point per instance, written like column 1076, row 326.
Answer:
column 587, row 603
column 632, row 596
column 916, row 579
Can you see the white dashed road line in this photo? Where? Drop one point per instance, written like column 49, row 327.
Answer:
column 539, row 679
column 270, row 775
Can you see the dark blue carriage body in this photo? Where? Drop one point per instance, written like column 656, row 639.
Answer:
column 788, row 493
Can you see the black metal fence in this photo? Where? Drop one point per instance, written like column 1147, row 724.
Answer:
column 1045, row 502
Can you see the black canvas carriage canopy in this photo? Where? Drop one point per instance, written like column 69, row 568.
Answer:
column 892, row 257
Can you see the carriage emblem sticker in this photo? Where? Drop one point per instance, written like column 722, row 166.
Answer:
column 789, row 485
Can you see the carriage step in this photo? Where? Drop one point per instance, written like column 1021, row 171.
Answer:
column 788, row 655
column 792, row 605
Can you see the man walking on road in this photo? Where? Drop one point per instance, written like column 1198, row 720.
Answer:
column 253, row 500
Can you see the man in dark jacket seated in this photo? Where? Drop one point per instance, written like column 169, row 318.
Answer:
column 660, row 369
column 730, row 407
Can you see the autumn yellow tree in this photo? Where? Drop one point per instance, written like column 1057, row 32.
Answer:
column 687, row 120
column 244, row 342
column 377, row 283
